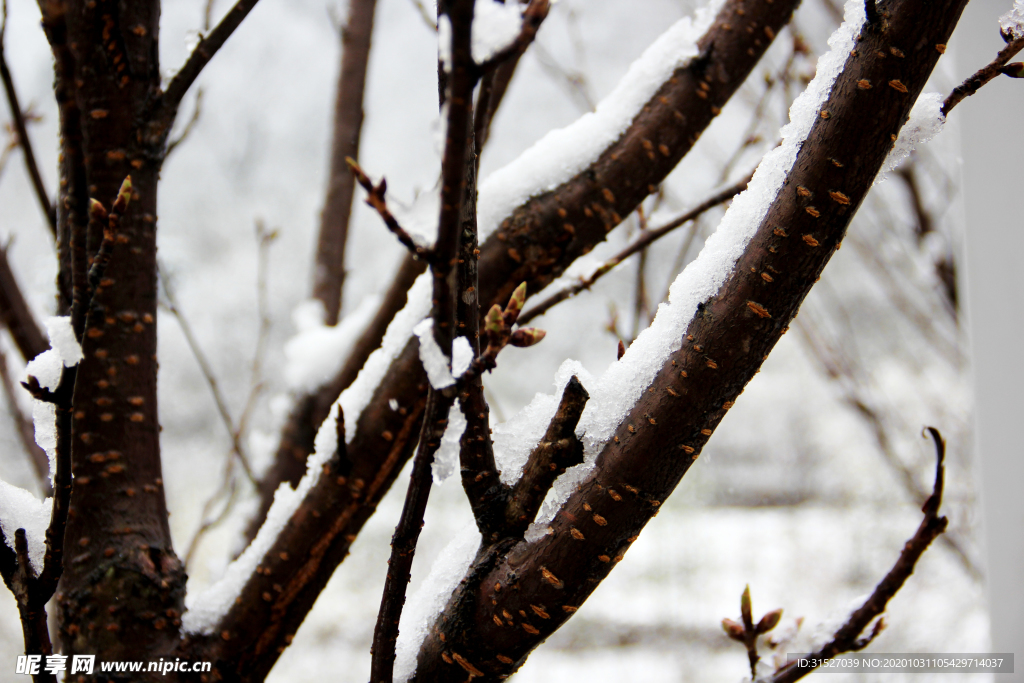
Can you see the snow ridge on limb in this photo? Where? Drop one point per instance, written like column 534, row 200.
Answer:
column 381, row 439
column 723, row 319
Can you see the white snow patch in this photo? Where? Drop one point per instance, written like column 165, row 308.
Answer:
column 44, row 420
column 563, row 153
column 426, row 603
column 925, row 123
column 46, row 367
column 462, row 356
column 495, row 26
column 516, row 438
column 1012, row 23
column 20, row 509
column 434, row 361
column 355, row 399
column 205, row 609
column 446, row 459
column 62, row 340
column 317, row 353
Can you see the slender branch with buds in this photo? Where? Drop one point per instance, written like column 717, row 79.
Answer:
column 851, row 635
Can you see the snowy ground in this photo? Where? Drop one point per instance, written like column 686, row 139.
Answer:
column 792, row 495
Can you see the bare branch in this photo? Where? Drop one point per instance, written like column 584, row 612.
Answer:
column 31, row 608
column 983, row 75
column 458, row 180
column 211, row 381
column 647, row 238
column 375, row 198
column 557, row 451
column 204, row 52
column 189, row 126
column 403, row 543
column 23, row 139
column 848, row 637
column 329, row 274
column 15, row 314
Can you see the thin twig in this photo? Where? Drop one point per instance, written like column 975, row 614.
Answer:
column 375, row 199
column 854, row 394
column 641, row 310
column 196, row 112
column 455, row 182
column 228, row 487
column 848, row 637
column 204, row 52
column 983, row 75
column 645, row 240
column 211, row 380
column 425, row 14
column 49, row 210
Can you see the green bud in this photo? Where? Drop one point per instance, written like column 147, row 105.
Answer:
column 733, row 630
column 515, row 304
column 745, row 606
column 97, row 212
column 526, row 336
column 494, row 322
column 1014, row 70
column 124, row 195
column 769, row 621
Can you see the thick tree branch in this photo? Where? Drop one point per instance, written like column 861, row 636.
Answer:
column 329, row 275
column 722, row 348
column 848, row 637
column 204, row 52
column 73, row 197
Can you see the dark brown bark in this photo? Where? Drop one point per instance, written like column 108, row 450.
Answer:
column 329, row 273
column 121, row 578
column 722, row 348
